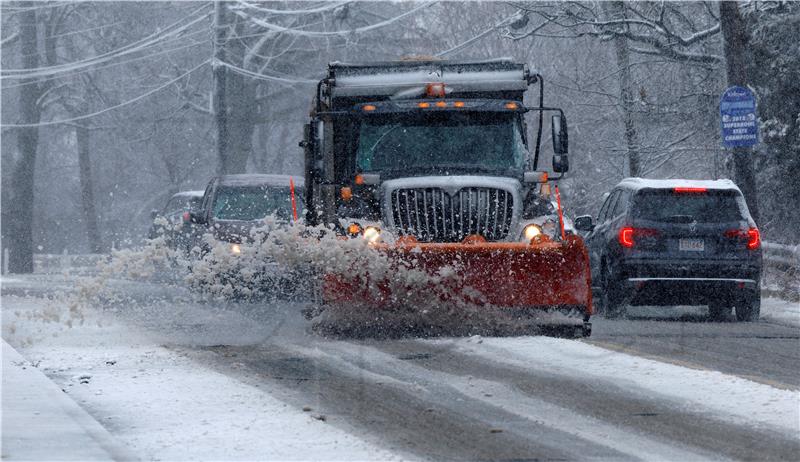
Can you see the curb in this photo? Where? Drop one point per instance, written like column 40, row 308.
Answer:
column 41, row 422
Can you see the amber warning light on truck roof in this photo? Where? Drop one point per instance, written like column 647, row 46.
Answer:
column 435, row 90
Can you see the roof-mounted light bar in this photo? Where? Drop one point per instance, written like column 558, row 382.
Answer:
column 435, row 90
column 405, row 105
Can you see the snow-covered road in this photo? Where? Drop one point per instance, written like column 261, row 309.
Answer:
column 172, row 378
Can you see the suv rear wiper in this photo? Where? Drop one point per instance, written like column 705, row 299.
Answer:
column 681, row 218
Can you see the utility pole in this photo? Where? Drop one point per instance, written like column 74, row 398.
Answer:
column 220, row 86
column 735, row 38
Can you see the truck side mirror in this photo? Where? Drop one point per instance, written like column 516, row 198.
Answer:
column 534, row 177
column 197, row 218
column 584, row 223
column 560, row 144
column 153, row 214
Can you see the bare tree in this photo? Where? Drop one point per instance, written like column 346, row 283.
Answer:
column 653, row 28
column 736, row 59
column 616, row 12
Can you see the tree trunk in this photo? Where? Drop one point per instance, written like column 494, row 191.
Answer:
column 87, row 191
column 21, row 236
column 735, row 38
column 616, row 10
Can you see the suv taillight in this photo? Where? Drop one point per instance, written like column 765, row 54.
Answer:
column 688, row 189
column 753, row 238
column 752, row 235
column 627, row 235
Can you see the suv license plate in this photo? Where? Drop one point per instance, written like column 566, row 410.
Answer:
column 691, row 245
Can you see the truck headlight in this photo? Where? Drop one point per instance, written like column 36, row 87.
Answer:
column 372, row 234
column 236, row 249
column 531, row 231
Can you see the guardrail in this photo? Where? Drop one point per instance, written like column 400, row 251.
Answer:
column 781, row 274
column 46, row 263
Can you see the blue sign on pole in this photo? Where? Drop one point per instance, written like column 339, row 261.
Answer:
column 739, row 123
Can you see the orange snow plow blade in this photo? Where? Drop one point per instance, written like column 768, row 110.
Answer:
column 540, row 275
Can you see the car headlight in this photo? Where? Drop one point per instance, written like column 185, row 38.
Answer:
column 531, row 231
column 372, row 234
column 236, row 249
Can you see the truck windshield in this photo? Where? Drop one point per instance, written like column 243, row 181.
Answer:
column 442, row 141
column 249, row 203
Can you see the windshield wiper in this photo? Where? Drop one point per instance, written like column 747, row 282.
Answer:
column 445, row 168
column 392, row 128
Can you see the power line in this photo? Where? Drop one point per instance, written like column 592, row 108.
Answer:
column 272, row 78
column 86, row 30
column 15, row 9
column 474, row 39
column 110, row 65
column 125, row 50
column 321, row 9
column 277, row 28
column 126, row 103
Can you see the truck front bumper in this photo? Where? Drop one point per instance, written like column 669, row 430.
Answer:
column 517, row 276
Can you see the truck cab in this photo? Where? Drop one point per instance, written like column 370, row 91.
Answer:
column 431, row 150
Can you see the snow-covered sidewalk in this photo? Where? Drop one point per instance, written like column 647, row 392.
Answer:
column 41, row 422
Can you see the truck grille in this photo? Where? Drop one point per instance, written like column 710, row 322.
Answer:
column 433, row 215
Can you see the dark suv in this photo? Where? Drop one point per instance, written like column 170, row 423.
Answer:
column 233, row 205
column 675, row 242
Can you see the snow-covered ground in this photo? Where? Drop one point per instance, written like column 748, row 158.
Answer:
column 163, row 406
column 782, row 311
column 732, row 398
column 150, row 372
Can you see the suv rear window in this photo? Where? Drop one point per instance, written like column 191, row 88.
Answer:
column 671, row 207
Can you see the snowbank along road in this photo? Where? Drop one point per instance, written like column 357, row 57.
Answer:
column 175, row 378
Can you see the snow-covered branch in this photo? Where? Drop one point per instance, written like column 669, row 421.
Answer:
column 312, row 33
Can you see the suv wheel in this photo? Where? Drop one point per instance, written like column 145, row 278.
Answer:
column 613, row 300
column 719, row 310
column 748, row 308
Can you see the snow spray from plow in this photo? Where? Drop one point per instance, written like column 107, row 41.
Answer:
column 387, row 289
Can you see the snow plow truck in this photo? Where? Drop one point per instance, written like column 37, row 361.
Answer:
column 430, row 161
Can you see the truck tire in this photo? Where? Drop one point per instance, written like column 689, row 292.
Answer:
column 719, row 310
column 613, row 298
column 748, row 308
